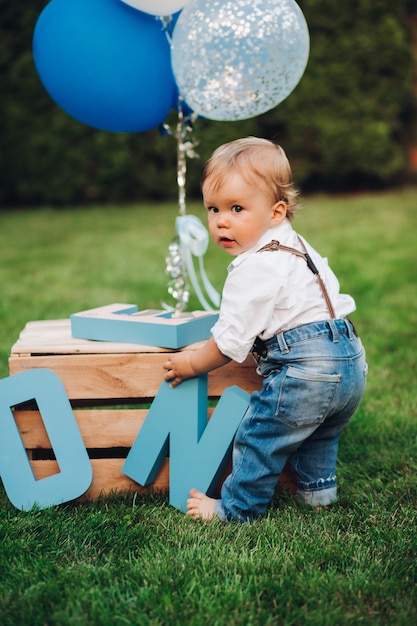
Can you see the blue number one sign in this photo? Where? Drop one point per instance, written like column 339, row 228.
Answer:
column 75, row 475
column 177, row 421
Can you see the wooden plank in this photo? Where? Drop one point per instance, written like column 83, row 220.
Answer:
column 43, row 469
column 118, row 376
column 107, row 477
column 87, row 376
column 99, row 428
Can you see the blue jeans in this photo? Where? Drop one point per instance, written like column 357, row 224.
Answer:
column 314, row 379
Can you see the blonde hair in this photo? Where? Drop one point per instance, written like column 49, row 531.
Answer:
column 253, row 156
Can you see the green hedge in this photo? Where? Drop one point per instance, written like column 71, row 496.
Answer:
column 347, row 125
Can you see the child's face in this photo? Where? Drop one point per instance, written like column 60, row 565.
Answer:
column 240, row 212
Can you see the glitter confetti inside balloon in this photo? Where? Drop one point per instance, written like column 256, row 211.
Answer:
column 236, row 59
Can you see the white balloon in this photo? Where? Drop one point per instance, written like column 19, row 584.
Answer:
column 236, row 59
column 157, row 7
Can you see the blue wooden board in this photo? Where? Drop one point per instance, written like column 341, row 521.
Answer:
column 124, row 323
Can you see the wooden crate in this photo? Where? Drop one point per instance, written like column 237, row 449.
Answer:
column 110, row 386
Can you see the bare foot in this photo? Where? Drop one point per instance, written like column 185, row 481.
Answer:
column 201, row 506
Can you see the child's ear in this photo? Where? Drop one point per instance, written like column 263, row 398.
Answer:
column 279, row 212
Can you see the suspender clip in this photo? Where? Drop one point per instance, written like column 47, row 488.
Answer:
column 259, row 349
column 310, row 263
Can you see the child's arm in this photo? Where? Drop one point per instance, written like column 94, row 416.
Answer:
column 190, row 363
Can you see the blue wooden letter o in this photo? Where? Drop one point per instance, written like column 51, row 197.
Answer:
column 75, row 475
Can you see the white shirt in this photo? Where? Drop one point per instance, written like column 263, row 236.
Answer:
column 272, row 291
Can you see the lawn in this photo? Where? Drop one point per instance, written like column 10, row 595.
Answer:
column 133, row 559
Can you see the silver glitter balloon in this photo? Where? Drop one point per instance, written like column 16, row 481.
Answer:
column 236, row 59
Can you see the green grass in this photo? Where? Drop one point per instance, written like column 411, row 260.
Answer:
column 135, row 560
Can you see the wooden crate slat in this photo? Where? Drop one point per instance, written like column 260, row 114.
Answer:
column 107, row 477
column 99, row 428
column 94, row 376
column 100, row 376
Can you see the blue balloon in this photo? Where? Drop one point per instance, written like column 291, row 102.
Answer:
column 105, row 63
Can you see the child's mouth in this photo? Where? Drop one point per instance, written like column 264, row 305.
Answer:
column 226, row 242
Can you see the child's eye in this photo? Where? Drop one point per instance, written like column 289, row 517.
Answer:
column 212, row 209
column 237, row 208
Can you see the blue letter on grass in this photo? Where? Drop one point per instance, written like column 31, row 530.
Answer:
column 177, row 422
column 75, row 475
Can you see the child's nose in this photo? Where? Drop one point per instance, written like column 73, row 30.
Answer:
column 222, row 220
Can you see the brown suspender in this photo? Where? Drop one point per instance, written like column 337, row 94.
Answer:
column 259, row 348
column 275, row 245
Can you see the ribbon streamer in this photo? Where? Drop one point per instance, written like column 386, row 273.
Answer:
column 194, row 241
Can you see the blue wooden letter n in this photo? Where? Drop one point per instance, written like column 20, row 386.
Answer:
column 177, row 422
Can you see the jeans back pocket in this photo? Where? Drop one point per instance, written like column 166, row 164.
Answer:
column 305, row 397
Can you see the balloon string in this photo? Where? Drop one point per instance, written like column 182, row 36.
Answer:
column 181, row 160
column 192, row 235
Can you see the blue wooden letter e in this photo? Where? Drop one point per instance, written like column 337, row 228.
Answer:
column 75, row 475
column 177, row 422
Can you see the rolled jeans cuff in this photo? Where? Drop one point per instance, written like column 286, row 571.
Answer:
column 220, row 512
column 318, row 497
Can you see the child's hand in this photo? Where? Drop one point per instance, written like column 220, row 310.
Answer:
column 178, row 367
column 190, row 363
